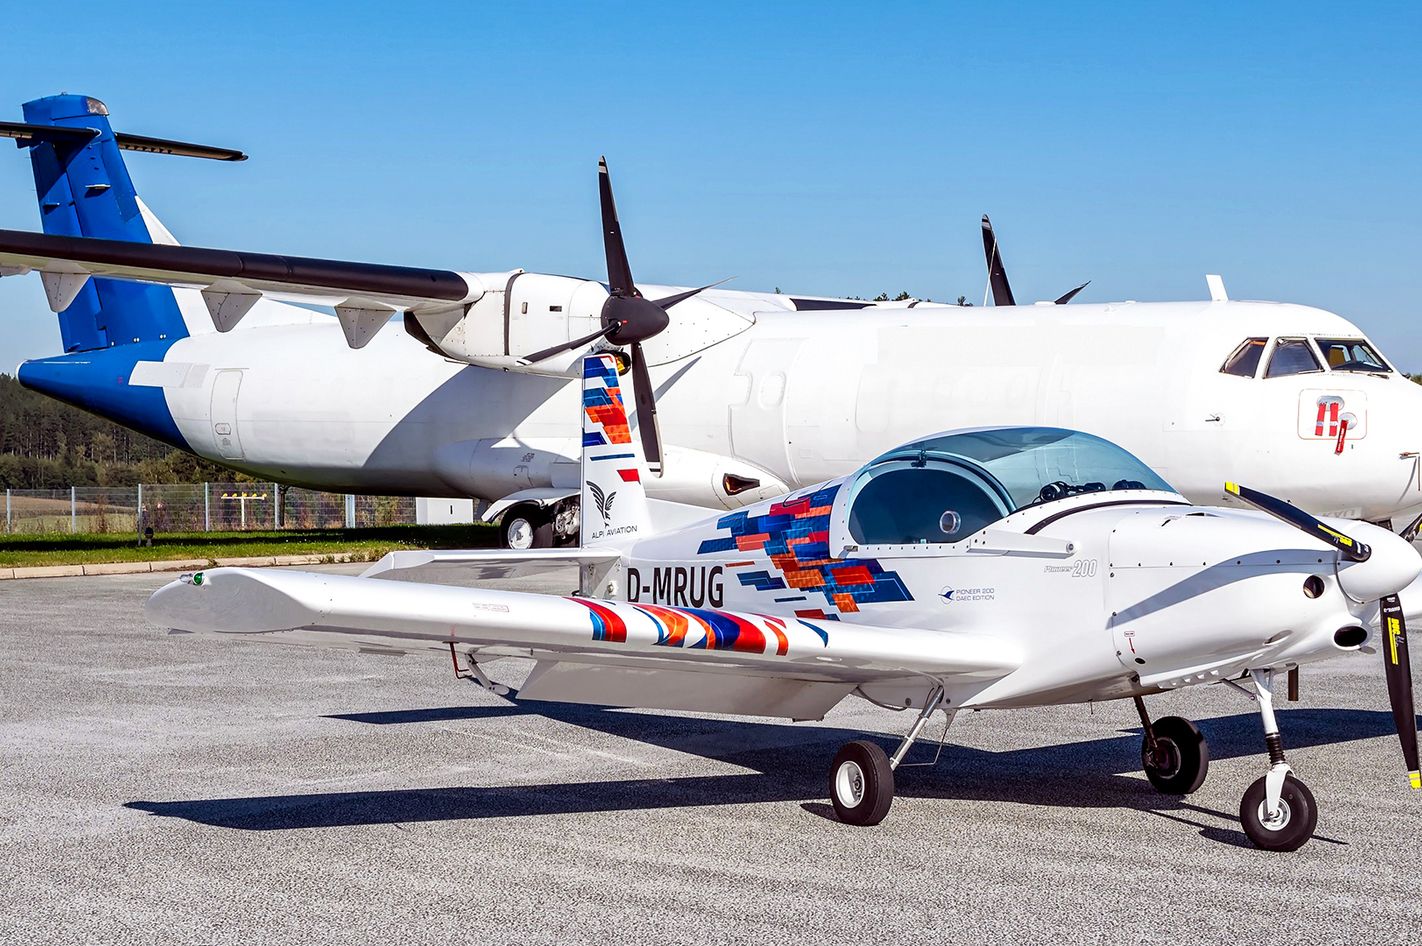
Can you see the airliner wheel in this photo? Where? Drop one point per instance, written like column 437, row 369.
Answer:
column 526, row 526
column 861, row 783
column 1181, row 759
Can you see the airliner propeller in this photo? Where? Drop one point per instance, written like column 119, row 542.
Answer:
column 997, row 276
column 1396, row 662
column 627, row 319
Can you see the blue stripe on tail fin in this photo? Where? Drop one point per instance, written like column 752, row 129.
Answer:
column 84, row 190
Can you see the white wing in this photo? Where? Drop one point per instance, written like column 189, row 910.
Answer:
column 589, row 650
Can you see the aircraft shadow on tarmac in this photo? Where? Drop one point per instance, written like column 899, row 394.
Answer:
column 1089, row 774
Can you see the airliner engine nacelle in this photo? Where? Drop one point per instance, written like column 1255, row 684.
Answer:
column 520, row 313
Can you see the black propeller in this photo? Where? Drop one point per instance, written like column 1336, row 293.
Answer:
column 1398, row 667
column 997, row 276
column 1001, row 291
column 1351, row 548
column 627, row 319
column 1396, row 662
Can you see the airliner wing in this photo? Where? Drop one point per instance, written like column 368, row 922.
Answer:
column 225, row 272
column 589, row 650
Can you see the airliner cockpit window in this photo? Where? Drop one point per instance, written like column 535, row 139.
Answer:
column 1351, row 354
column 1292, row 356
column 1245, row 360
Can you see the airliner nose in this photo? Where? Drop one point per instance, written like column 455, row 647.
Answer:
column 1392, row 566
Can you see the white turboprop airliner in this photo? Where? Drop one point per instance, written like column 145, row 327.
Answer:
column 470, row 391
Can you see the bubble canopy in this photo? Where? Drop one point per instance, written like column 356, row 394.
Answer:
column 946, row 487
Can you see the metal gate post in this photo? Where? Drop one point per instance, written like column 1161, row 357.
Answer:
column 7, row 511
column 140, row 510
column 350, row 511
column 72, row 516
column 207, row 507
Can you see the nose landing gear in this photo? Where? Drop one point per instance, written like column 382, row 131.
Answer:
column 1278, row 811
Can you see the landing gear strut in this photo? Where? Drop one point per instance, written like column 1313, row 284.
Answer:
column 862, row 776
column 1278, row 811
column 1174, row 753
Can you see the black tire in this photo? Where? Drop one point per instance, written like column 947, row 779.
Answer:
column 1182, row 756
column 526, row 526
column 1298, row 816
column 861, row 783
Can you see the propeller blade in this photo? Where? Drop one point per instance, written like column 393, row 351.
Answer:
column 1001, row 291
column 565, row 346
column 646, row 410
column 1063, row 300
column 1399, row 683
column 670, row 301
column 619, row 271
column 1296, row 517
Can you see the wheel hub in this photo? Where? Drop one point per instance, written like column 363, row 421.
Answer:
column 520, row 534
column 849, row 784
column 1277, row 821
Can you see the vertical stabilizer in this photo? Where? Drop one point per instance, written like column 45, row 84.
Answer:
column 84, row 190
column 614, row 502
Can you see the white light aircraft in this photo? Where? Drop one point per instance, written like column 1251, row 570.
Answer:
column 1002, row 567
column 434, row 382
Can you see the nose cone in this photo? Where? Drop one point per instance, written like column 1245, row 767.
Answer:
column 1392, row 566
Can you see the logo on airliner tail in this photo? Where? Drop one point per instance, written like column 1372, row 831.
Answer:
column 603, row 501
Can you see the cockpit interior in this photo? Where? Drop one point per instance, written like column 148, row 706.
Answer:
column 945, row 488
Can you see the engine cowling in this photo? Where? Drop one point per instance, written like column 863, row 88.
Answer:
column 520, row 313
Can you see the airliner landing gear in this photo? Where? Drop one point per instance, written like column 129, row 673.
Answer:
column 1174, row 753
column 862, row 776
column 1278, row 811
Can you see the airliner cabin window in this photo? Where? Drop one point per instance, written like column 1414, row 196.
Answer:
column 1351, row 354
column 1292, row 356
column 1245, row 360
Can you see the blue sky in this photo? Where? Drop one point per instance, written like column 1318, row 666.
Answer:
column 821, row 148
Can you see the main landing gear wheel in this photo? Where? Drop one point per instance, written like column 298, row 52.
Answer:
column 1290, row 827
column 861, row 783
column 526, row 526
column 1181, row 758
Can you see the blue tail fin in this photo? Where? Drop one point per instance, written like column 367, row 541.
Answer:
column 84, row 190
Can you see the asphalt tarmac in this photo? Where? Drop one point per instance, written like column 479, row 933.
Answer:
column 183, row 789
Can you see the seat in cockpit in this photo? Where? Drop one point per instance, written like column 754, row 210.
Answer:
column 921, row 504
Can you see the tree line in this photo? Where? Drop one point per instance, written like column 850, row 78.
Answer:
column 46, row 444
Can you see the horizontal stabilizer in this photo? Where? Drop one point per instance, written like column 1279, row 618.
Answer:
column 27, row 135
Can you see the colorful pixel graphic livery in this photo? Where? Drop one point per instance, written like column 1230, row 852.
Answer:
column 795, row 535
column 603, row 402
column 699, row 628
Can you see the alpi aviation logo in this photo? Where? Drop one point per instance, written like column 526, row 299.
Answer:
column 603, row 501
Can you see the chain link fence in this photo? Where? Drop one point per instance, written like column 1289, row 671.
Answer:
column 197, row 507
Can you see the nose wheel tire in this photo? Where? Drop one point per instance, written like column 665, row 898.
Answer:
column 1290, row 827
column 861, row 783
column 1181, row 758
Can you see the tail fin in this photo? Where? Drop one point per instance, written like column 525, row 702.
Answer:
column 84, row 190
column 614, row 502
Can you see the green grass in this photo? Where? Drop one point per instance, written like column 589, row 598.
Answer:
column 364, row 544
